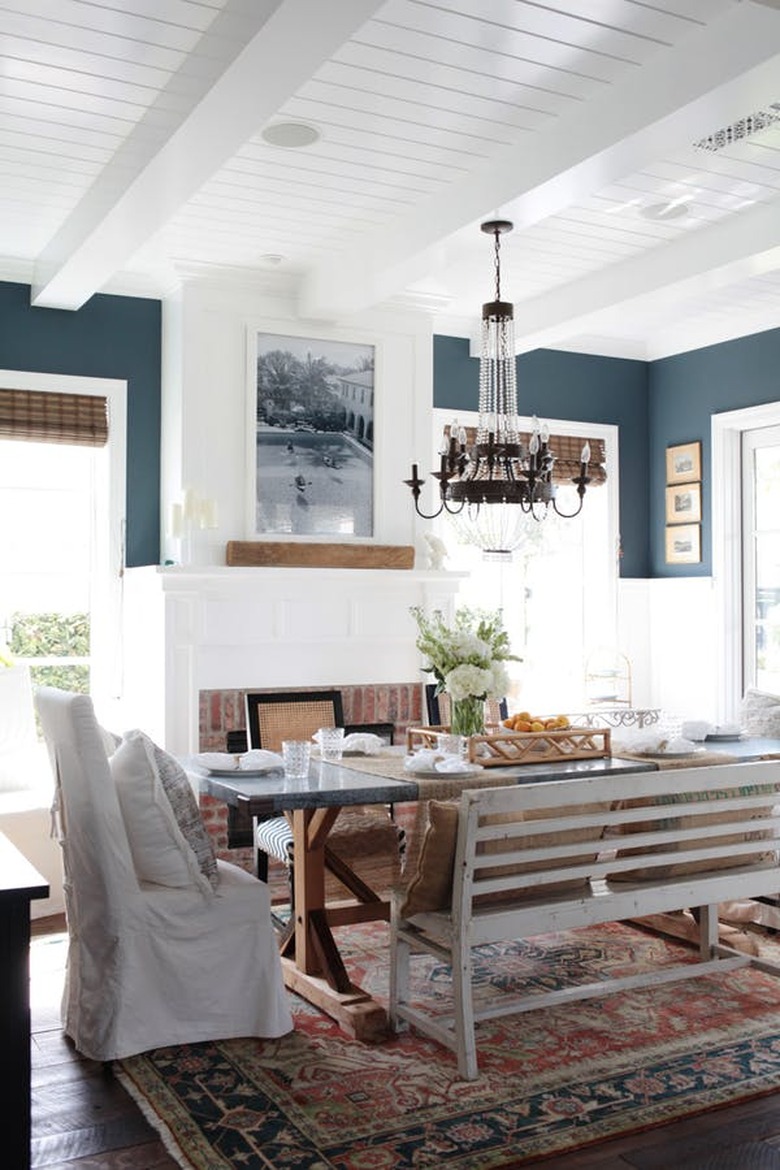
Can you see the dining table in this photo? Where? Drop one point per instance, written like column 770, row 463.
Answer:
column 312, row 964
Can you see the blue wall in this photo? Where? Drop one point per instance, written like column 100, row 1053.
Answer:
column 554, row 384
column 654, row 405
column 685, row 391
column 110, row 337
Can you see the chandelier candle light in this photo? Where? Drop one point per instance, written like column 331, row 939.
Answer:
column 497, row 481
column 467, row 660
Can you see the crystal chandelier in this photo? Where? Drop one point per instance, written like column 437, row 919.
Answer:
column 497, row 483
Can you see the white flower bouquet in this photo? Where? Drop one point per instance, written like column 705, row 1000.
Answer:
column 467, row 660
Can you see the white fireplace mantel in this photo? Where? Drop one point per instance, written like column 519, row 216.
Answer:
column 222, row 628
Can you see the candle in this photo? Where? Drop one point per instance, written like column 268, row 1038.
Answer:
column 177, row 519
column 190, row 505
column 208, row 514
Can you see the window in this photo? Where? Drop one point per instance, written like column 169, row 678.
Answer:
column 559, row 594
column 61, row 527
column 46, row 534
column 745, row 554
column 761, row 557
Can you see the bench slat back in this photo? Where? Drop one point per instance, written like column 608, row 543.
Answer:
column 558, row 837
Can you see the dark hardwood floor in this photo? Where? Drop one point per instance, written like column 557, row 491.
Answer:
column 82, row 1119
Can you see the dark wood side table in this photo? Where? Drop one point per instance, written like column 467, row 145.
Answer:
column 19, row 884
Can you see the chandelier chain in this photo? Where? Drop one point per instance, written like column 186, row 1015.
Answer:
column 498, row 483
column 497, row 261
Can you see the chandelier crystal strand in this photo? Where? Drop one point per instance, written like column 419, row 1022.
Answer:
column 495, row 485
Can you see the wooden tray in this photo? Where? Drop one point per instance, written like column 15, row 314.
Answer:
column 496, row 749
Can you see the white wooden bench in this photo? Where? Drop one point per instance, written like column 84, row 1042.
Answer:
column 575, row 853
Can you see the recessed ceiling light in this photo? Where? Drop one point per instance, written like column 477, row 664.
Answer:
column 290, row 134
column 663, row 211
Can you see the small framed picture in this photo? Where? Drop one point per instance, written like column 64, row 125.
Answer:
column 683, row 504
column 683, row 544
column 683, row 463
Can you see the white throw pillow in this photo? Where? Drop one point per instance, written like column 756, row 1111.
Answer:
column 161, row 853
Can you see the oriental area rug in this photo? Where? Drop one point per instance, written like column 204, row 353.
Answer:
column 550, row 1081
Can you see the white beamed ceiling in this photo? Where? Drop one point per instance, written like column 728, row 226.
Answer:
column 132, row 157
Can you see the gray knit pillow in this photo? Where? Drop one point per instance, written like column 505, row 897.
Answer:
column 760, row 714
column 185, row 808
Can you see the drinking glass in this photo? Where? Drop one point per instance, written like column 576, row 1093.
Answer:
column 451, row 745
column 331, row 741
column 296, row 754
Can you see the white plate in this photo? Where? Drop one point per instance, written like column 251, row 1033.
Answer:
column 674, row 755
column 244, row 771
column 430, row 772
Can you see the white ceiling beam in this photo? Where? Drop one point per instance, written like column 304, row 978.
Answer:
column 99, row 238
column 715, row 74
column 747, row 245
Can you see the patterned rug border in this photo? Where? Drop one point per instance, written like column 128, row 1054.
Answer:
column 271, row 1105
column 549, row 1146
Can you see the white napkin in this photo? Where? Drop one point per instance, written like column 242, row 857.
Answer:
column 365, row 742
column 455, row 764
column 430, row 760
column 650, row 741
column 243, row 762
column 421, row 761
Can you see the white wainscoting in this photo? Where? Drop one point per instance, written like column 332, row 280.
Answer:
column 188, row 630
column 684, row 644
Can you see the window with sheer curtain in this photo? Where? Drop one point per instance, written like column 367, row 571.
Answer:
column 558, row 595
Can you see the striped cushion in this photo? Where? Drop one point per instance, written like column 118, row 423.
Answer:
column 275, row 838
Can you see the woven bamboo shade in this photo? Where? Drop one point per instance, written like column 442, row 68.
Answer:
column 567, row 450
column 35, row 416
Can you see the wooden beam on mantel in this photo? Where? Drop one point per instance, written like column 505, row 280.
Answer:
column 284, row 554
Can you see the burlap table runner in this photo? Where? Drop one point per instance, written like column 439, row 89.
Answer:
column 414, row 818
column 442, row 786
column 698, row 760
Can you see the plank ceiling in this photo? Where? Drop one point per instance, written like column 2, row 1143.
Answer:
column 635, row 145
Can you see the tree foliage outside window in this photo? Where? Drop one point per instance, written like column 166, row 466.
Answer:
column 49, row 636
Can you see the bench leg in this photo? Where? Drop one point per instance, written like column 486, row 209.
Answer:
column 707, row 918
column 400, row 958
column 466, row 1045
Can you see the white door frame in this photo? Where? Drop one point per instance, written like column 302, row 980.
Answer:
column 727, row 430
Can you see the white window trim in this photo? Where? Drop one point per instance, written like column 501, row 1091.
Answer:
column 727, row 430
column 106, row 668
column 608, row 433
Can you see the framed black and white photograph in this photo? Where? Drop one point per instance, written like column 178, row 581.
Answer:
column 312, row 414
column 683, row 463
column 683, row 504
column 683, row 544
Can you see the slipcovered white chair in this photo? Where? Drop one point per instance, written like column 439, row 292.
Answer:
column 188, row 956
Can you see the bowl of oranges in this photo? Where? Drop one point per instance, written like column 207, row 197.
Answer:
column 525, row 721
